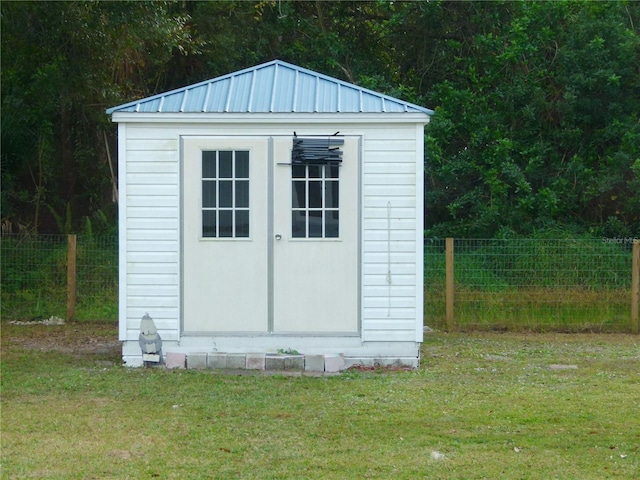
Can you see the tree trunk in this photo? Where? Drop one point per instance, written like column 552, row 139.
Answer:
column 67, row 153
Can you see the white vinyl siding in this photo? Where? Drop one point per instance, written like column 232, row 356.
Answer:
column 388, row 174
column 389, row 235
column 152, row 231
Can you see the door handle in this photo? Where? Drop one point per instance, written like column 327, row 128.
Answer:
column 278, row 236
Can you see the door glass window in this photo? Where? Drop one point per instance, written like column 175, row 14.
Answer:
column 225, row 193
column 315, row 201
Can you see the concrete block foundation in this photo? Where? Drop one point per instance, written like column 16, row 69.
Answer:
column 197, row 361
column 175, row 360
column 255, row 361
column 294, row 362
column 329, row 363
column 334, row 363
column 217, row 361
column 274, row 362
column 236, row 361
column 314, row 363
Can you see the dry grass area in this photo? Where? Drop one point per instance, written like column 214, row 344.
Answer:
column 483, row 405
column 572, row 310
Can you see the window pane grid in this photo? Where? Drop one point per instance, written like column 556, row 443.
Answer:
column 225, row 194
column 314, row 201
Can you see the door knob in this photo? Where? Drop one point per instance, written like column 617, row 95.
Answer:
column 278, row 236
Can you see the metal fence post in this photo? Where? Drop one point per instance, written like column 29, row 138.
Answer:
column 449, row 284
column 71, row 278
column 635, row 286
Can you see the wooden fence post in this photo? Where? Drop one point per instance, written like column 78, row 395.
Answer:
column 449, row 284
column 635, row 286
column 71, row 278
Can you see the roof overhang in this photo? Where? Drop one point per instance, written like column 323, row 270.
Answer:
column 273, row 118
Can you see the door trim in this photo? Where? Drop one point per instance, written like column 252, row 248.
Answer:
column 270, row 234
column 270, row 241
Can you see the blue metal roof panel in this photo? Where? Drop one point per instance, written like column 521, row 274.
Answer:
column 349, row 99
column 287, row 82
column 217, row 96
column 262, row 91
column 195, row 99
column 172, row 103
column 277, row 87
column 369, row 103
column 328, row 97
column 305, row 94
column 238, row 100
column 150, row 106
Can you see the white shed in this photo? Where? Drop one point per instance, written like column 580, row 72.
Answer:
column 272, row 209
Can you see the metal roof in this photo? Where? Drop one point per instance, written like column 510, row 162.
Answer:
column 272, row 87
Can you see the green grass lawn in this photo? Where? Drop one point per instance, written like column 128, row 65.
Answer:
column 481, row 406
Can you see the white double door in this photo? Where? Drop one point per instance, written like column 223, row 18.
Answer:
column 267, row 246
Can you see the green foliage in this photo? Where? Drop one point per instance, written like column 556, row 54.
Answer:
column 63, row 223
column 288, row 351
column 533, row 134
column 63, row 63
column 537, row 103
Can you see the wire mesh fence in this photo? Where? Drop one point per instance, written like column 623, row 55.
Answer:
column 531, row 284
column 34, row 277
column 97, row 278
column 515, row 284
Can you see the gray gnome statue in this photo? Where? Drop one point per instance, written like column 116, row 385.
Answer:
column 150, row 341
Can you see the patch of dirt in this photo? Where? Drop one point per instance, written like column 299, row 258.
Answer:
column 84, row 339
